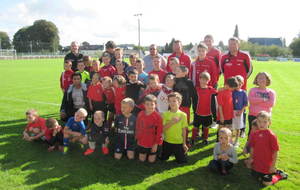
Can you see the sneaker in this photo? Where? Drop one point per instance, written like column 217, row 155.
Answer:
column 282, row 174
column 214, row 125
column 243, row 135
column 65, row 150
column 105, row 150
column 236, row 145
column 88, row 151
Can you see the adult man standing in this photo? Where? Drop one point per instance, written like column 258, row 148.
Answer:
column 74, row 56
column 148, row 59
column 213, row 54
column 178, row 52
column 236, row 62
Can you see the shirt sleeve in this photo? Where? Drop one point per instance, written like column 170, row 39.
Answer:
column 233, row 156
column 82, row 128
column 274, row 143
column 69, row 123
column 159, row 128
column 216, row 152
column 251, row 141
column 184, row 120
column 245, row 99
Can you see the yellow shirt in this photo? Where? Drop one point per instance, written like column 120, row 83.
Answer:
column 173, row 134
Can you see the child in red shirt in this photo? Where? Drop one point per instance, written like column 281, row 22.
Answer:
column 153, row 87
column 225, row 104
column 54, row 135
column 109, row 95
column 36, row 126
column 66, row 76
column 120, row 68
column 264, row 151
column 107, row 69
column 202, row 64
column 95, row 95
column 119, row 83
column 206, row 107
column 149, row 127
column 157, row 69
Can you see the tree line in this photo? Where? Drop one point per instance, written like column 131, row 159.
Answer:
column 43, row 36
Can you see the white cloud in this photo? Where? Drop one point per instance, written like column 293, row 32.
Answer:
column 98, row 21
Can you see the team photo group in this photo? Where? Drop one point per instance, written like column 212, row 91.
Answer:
column 142, row 109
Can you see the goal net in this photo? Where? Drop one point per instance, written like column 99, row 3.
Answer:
column 8, row 53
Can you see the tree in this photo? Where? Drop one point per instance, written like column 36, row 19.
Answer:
column 295, row 46
column 169, row 46
column 4, row 41
column 236, row 31
column 188, row 46
column 39, row 37
column 221, row 45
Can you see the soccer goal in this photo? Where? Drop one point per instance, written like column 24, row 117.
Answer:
column 8, row 54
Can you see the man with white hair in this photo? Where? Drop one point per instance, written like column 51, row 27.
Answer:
column 74, row 56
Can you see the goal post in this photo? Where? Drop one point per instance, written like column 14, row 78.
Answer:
column 8, row 54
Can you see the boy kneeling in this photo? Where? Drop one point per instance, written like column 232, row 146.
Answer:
column 36, row 126
column 75, row 129
column 174, row 128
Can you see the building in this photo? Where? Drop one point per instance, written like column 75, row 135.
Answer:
column 267, row 41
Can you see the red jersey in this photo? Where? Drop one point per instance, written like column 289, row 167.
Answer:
column 66, row 79
column 37, row 123
column 95, row 92
column 215, row 55
column 205, row 98
column 119, row 96
column 264, row 144
column 149, row 129
column 224, row 99
column 236, row 65
column 107, row 71
column 204, row 65
column 109, row 95
column 161, row 74
column 183, row 60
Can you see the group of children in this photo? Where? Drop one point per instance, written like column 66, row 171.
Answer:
column 149, row 114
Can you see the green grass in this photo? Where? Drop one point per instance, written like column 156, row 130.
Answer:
column 35, row 84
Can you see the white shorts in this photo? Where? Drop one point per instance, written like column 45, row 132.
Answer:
column 237, row 121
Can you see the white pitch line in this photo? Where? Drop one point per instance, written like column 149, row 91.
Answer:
column 29, row 101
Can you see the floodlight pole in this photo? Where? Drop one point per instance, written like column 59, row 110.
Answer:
column 139, row 31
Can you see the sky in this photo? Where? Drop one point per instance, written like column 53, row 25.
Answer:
column 97, row 21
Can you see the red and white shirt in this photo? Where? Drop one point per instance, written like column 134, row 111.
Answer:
column 236, row 65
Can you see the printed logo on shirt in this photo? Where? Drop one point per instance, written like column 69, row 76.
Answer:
column 263, row 95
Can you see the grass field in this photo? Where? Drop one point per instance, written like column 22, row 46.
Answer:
column 35, row 84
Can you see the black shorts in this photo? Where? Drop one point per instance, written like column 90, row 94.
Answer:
column 143, row 150
column 95, row 137
column 98, row 106
column 120, row 147
column 226, row 122
column 262, row 176
column 205, row 121
column 169, row 149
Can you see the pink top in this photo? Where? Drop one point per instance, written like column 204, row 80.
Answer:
column 261, row 100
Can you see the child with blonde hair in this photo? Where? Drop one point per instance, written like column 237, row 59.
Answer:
column 224, row 153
